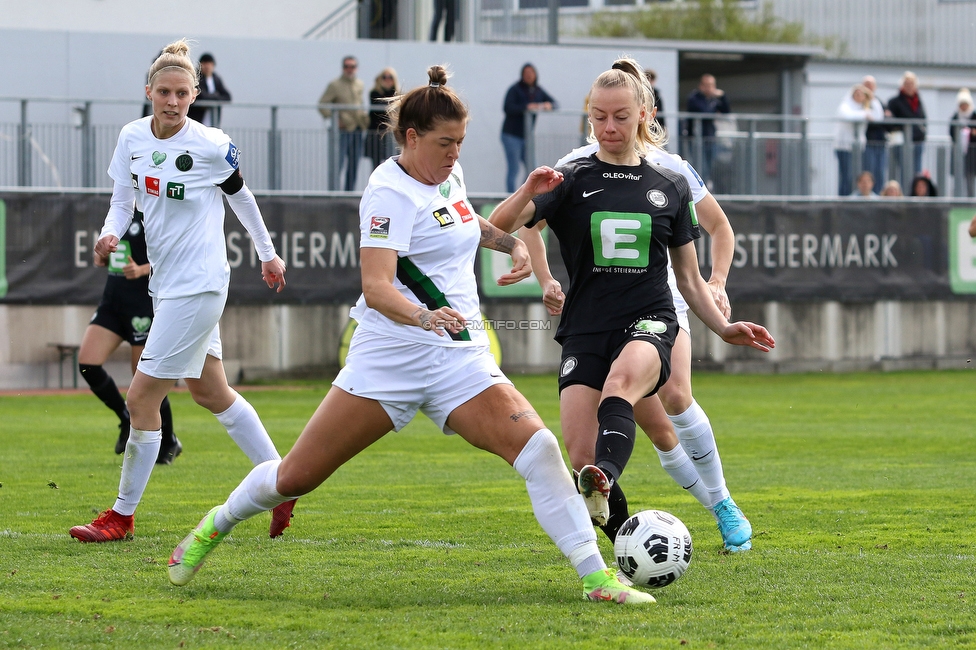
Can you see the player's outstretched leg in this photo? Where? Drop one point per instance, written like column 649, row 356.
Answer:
column 695, row 433
column 188, row 556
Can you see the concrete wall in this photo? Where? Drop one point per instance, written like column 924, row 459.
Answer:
column 303, row 340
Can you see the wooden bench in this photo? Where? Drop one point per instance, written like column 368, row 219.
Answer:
column 65, row 351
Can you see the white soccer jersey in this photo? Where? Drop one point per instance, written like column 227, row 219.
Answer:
column 699, row 191
column 175, row 182
column 436, row 234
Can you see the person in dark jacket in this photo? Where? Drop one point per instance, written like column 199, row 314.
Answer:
column 524, row 95
column 379, row 145
column 707, row 98
column 907, row 104
column 212, row 89
column 875, row 156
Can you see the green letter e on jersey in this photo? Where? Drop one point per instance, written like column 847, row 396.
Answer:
column 621, row 238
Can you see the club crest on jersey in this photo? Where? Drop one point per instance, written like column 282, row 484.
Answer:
column 379, row 227
column 569, row 365
column 233, row 155
column 657, row 198
column 444, row 217
column 152, row 186
column 135, row 228
column 184, row 162
column 462, row 209
column 158, row 158
column 445, row 189
column 141, row 323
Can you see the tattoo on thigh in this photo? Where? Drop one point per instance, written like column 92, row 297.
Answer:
column 523, row 414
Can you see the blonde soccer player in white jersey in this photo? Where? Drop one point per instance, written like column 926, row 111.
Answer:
column 177, row 171
column 699, row 469
column 418, row 347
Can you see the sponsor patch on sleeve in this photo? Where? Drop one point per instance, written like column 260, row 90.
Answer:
column 233, row 155
column 379, row 227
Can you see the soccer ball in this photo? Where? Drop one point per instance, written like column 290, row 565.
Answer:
column 653, row 548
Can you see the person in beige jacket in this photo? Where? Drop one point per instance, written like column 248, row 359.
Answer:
column 347, row 89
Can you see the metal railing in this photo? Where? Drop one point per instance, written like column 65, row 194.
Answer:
column 69, row 144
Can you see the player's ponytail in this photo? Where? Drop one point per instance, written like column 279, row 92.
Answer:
column 423, row 107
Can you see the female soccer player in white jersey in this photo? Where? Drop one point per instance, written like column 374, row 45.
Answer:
column 414, row 351
column 176, row 171
column 616, row 217
column 691, row 458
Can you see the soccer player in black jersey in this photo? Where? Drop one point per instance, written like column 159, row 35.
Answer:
column 616, row 218
column 125, row 313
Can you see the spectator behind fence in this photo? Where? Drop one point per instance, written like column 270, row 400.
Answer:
column 922, row 185
column 379, row 144
column 853, row 114
column 875, row 156
column 658, row 102
column 907, row 104
column 892, row 188
column 962, row 130
column 864, row 189
column 347, row 89
column 212, row 89
column 448, row 11
column 709, row 99
column 524, row 95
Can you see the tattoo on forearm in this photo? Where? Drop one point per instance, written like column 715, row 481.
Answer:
column 425, row 317
column 495, row 239
column 523, row 414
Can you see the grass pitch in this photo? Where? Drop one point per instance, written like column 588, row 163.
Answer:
column 859, row 488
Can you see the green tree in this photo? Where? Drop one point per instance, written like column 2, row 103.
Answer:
column 704, row 20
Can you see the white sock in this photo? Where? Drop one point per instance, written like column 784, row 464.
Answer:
column 679, row 467
column 557, row 504
column 245, row 428
column 696, row 436
column 257, row 493
column 137, row 465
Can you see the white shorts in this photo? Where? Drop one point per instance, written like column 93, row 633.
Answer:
column 185, row 331
column 406, row 377
column 681, row 311
column 680, row 306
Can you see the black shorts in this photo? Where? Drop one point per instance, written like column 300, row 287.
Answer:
column 586, row 358
column 126, row 309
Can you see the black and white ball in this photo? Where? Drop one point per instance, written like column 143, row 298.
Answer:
column 653, row 548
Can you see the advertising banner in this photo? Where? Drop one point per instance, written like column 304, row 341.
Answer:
column 784, row 251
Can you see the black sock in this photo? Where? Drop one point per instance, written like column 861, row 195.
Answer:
column 618, row 512
column 166, row 416
column 616, row 437
column 104, row 388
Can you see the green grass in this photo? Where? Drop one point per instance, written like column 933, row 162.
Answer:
column 859, row 487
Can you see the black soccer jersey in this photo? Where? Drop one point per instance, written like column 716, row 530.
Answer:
column 131, row 244
column 615, row 225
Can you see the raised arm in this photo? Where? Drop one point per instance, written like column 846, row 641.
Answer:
column 518, row 209
column 696, row 293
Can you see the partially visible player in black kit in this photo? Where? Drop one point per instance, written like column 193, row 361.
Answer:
column 616, row 218
column 125, row 313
